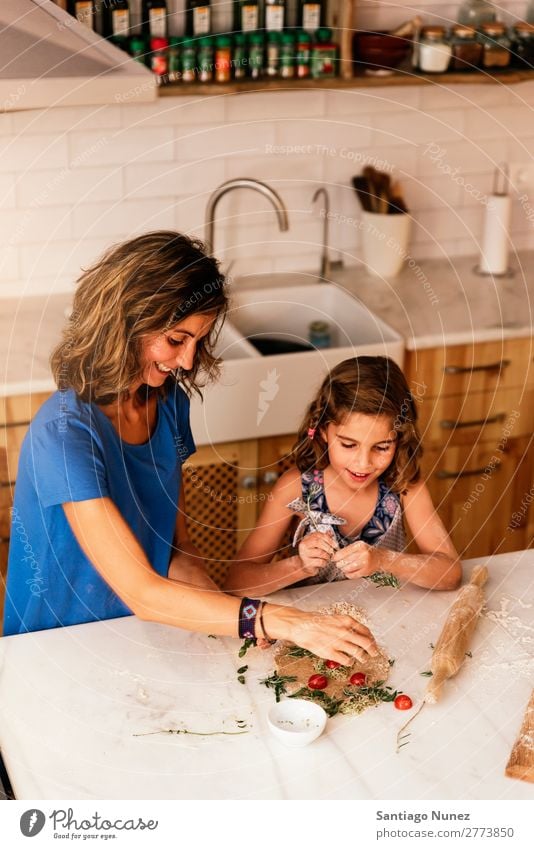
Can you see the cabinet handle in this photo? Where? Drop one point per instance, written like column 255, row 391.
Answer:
column 269, row 478
column 502, row 364
column 249, row 482
column 449, row 424
column 445, row 475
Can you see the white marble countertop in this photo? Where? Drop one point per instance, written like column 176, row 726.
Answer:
column 72, row 699
column 433, row 303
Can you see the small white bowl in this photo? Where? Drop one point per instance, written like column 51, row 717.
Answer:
column 296, row 722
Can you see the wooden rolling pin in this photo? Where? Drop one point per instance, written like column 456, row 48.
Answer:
column 453, row 643
column 521, row 762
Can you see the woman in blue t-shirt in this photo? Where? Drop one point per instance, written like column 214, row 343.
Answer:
column 98, row 524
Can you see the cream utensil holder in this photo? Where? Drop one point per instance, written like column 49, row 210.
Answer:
column 385, row 242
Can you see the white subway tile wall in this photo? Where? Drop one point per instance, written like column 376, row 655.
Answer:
column 73, row 181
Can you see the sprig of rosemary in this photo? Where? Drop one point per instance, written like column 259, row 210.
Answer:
column 383, row 579
column 187, row 731
column 330, row 705
column 375, row 692
column 278, row 683
column 249, row 643
column 297, row 651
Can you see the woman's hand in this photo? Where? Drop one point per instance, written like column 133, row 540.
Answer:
column 316, row 550
column 332, row 636
column 358, row 560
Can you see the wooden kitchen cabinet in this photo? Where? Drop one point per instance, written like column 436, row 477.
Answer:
column 476, row 412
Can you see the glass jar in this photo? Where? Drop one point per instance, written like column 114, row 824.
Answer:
column 188, row 60
column 273, row 54
column 223, row 59
column 522, row 48
column 239, row 57
column 435, row 50
column 205, row 59
column 287, row 55
column 319, row 334
column 495, row 46
column 303, row 54
column 474, row 13
column 158, row 57
column 466, row 52
column 255, row 55
column 174, row 54
column 323, row 54
column 137, row 48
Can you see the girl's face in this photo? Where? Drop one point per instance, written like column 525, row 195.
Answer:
column 361, row 448
column 174, row 348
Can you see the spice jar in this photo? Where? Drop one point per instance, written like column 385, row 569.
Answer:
column 435, row 50
column 255, row 54
column 319, row 334
column 239, row 59
column 287, row 55
column 205, row 59
column 223, row 59
column 323, row 54
column 137, row 48
column 495, row 45
column 158, row 57
column 174, row 60
column 273, row 54
column 303, row 54
column 188, row 60
column 523, row 45
column 466, row 49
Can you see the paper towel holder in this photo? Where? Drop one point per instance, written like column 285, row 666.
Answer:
column 499, row 190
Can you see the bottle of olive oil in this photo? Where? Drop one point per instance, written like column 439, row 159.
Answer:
column 311, row 15
column 246, row 15
column 116, row 18
column 154, row 18
column 197, row 17
column 275, row 15
column 83, row 11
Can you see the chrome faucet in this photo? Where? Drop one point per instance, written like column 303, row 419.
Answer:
column 242, row 183
column 325, row 259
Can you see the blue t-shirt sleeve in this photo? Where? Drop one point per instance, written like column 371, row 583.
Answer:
column 185, row 444
column 66, row 464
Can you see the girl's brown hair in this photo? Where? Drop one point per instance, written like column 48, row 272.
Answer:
column 373, row 386
column 142, row 286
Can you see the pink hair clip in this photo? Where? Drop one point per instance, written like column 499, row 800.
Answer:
column 311, row 432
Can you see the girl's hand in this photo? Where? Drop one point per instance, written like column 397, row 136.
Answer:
column 316, row 550
column 334, row 636
column 357, row 560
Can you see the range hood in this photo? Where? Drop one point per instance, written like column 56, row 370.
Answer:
column 49, row 59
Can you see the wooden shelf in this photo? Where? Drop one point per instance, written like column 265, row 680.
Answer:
column 397, row 78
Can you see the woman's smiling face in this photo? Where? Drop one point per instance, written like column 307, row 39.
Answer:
column 173, row 348
column 361, row 448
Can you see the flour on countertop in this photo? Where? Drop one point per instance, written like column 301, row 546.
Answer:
column 521, row 665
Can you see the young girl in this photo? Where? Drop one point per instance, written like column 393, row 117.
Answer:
column 99, row 526
column 357, row 474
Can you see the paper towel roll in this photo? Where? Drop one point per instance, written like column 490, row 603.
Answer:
column 494, row 252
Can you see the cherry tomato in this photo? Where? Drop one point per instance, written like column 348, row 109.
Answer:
column 318, row 682
column 332, row 664
column 358, row 679
column 403, row 702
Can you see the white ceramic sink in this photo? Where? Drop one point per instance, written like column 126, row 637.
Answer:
column 266, row 396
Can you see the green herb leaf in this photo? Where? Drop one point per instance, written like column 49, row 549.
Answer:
column 432, row 646
column 247, row 644
column 241, row 679
column 469, row 654
column 297, row 651
column 383, row 579
column 427, row 674
column 391, row 661
column 242, row 670
column 278, row 683
column 212, row 637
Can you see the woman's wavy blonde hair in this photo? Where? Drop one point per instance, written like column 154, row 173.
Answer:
column 142, row 286
column 373, row 386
